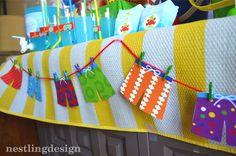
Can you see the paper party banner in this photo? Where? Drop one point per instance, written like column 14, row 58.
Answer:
column 94, row 85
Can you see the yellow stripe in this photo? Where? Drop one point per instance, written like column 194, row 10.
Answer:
column 103, row 109
column 135, row 42
column 190, row 68
column 2, row 65
column 9, row 94
column 50, row 114
column 30, row 102
column 65, row 64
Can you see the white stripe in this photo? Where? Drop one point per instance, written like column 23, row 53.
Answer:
column 61, row 112
column 87, row 110
column 159, row 52
column 220, row 53
column 121, row 108
column 19, row 101
column 40, row 107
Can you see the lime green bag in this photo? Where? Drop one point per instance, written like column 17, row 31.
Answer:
column 108, row 20
column 220, row 7
column 115, row 7
column 221, row 12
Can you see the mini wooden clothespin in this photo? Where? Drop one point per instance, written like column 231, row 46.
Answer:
column 141, row 58
column 20, row 65
column 77, row 67
column 55, row 77
column 92, row 62
column 66, row 75
column 167, row 72
column 30, row 71
column 210, row 97
column 37, row 75
column 15, row 62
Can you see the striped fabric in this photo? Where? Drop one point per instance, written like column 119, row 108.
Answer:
column 200, row 52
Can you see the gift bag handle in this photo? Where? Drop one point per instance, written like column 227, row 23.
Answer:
column 214, row 6
column 190, row 11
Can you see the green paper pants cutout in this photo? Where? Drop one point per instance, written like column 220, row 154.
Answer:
column 94, row 85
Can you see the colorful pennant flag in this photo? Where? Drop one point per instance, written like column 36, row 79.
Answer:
column 146, row 82
column 65, row 91
column 13, row 76
column 94, row 83
column 34, row 88
column 209, row 117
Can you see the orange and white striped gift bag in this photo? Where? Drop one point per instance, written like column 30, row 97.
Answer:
column 146, row 82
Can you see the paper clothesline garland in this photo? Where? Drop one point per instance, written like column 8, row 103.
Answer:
column 155, row 108
column 128, row 50
column 95, row 84
column 210, row 117
column 147, row 82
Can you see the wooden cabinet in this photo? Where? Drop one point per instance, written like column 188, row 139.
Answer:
column 17, row 132
column 94, row 142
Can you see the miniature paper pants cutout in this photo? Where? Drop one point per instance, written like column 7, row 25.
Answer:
column 209, row 117
column 66, row 92
column 95, row 84
column 146, row 82
column 15, row 76
column 34, row 88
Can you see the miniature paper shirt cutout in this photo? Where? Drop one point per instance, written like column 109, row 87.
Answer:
column 209, row 117
column 146, row 82
column 95, row 84
column 34, row 88
column 65, row 92
column 15, row 76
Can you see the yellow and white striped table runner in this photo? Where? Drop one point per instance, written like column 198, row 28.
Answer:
column 200, row 52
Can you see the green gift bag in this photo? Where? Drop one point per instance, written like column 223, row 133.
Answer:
column 108, row 16
column 114, row 8
column 220, row 7
column 221, row 12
